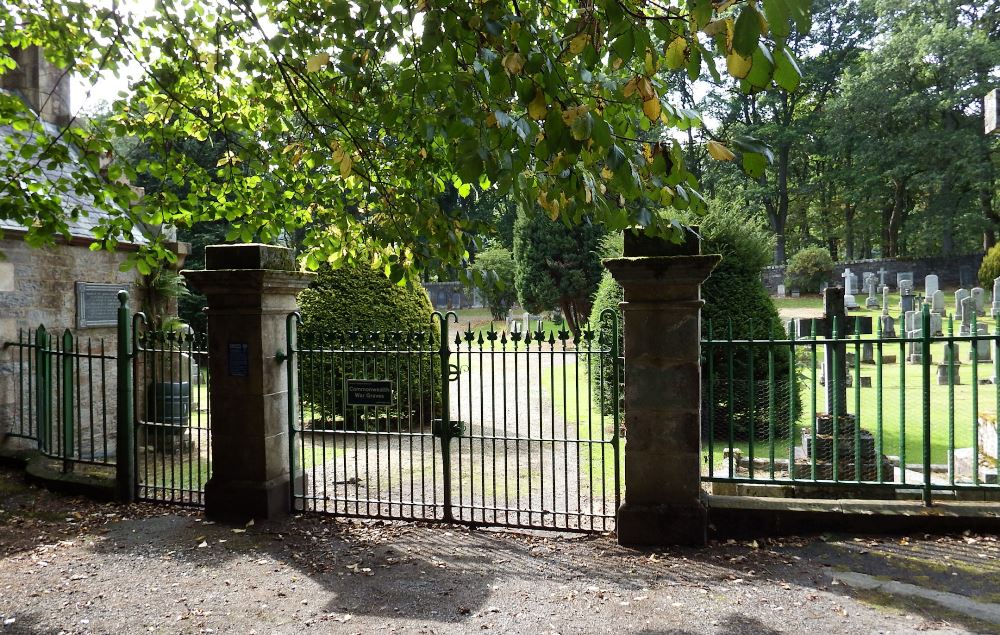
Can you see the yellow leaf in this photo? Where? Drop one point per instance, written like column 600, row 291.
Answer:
column 715, row 27
column 423, row 153
column 630, row 87
column 345, row 166
column 675, row 53
column 720, row 152
column 737, row 65
column 537, row 109
column 646, row 90
column 317, row 62
column 491, row 120
column 578, row 43
column 649, row 63
column 651, row 108
column 513, row 63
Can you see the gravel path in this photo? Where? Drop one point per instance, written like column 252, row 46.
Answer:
column 520, row 460
column 72, row 566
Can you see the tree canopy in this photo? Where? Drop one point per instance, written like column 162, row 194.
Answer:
column 350, row 119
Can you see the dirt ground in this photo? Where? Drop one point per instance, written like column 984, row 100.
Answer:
column 69, row 565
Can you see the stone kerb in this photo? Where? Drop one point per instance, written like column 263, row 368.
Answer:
column 663, row 501
column 250, row 289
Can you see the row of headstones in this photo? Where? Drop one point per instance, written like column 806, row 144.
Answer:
column 909, row 301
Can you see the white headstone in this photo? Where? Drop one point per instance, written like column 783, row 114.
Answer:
column 979, row 298
column 960, row 294
column 905, row 275
column 937, row 303
column 930, row 285
column 881, row 277
column 849, row 301
column 781, row 290
column 885, row 300
column 996, row 298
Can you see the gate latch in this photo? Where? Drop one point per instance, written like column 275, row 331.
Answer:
column 452, row 430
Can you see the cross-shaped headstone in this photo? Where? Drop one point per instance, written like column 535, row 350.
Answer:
column 834, row 375
column 881, row 277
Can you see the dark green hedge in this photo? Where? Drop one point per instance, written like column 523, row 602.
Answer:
column 390, row 327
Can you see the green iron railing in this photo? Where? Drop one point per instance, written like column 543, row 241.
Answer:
column 65, row 396
column 479, row 426
column 773, row 415
column 83, row 404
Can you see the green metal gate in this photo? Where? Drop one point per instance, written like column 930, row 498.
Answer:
column 478, row 426
column 170, row 413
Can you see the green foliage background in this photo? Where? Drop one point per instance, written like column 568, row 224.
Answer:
column 808, row 269
column 556, row 266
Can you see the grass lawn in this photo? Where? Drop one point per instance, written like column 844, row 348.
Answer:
column 572, row 398
column 893, row 407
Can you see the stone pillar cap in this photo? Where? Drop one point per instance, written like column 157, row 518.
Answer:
column 249, row 256
column 666, row 270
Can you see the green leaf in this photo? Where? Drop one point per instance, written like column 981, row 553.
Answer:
column 624, row 46
column 616, row 158
column 754, row 164
column 761, row 67
column 776, row 12
column 746, row 33
column 582, row 127
column 786, row 71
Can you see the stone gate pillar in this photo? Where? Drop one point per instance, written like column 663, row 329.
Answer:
column 251, row 290
column 664, row 503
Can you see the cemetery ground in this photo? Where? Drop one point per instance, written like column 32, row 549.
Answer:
column 75, row 566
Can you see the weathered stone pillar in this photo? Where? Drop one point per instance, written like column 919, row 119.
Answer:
column 663, row 503
column 251, row 290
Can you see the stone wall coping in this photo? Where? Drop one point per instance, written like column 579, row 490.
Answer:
column 253, row 256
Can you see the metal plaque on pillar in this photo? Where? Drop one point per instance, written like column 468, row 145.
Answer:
column 239, row 359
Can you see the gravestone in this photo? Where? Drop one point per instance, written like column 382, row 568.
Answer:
column 943, row 370
column 907, row 301
column 781, row 291
column 995, row 310
column 979, row 298
column 904, row 276
column 823, row 286
column 965, row 275
column 872, row 288
column 930, row 285
column 968, row 310
column 834, row 375
column 937, row 303
column 849, row 279
column 960, row 295
column 982, row 348
column 881, row 278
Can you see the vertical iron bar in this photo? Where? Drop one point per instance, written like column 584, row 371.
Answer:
column 125, row 452
column 925, row 358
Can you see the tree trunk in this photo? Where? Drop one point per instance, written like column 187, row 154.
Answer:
column 849, row 211
column 897, row 216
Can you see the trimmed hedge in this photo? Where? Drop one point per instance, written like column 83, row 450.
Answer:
column 808, row 269
column 990, row 269
column 361, row 308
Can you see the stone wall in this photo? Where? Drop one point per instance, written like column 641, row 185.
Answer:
column 451, row 295
column 952, row 271
column 38, row 286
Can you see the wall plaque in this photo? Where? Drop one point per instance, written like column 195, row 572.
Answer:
column 239, row 359
column 97, row 304
column 369, row 392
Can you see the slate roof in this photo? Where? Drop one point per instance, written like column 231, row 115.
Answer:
column 83, row 225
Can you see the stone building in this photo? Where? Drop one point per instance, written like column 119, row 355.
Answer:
column 65, row 286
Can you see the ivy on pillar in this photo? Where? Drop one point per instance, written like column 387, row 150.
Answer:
column 251, row 289
column 664, row 502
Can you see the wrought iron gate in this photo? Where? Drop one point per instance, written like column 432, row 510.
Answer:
column 170, row 411
column 479, row 426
